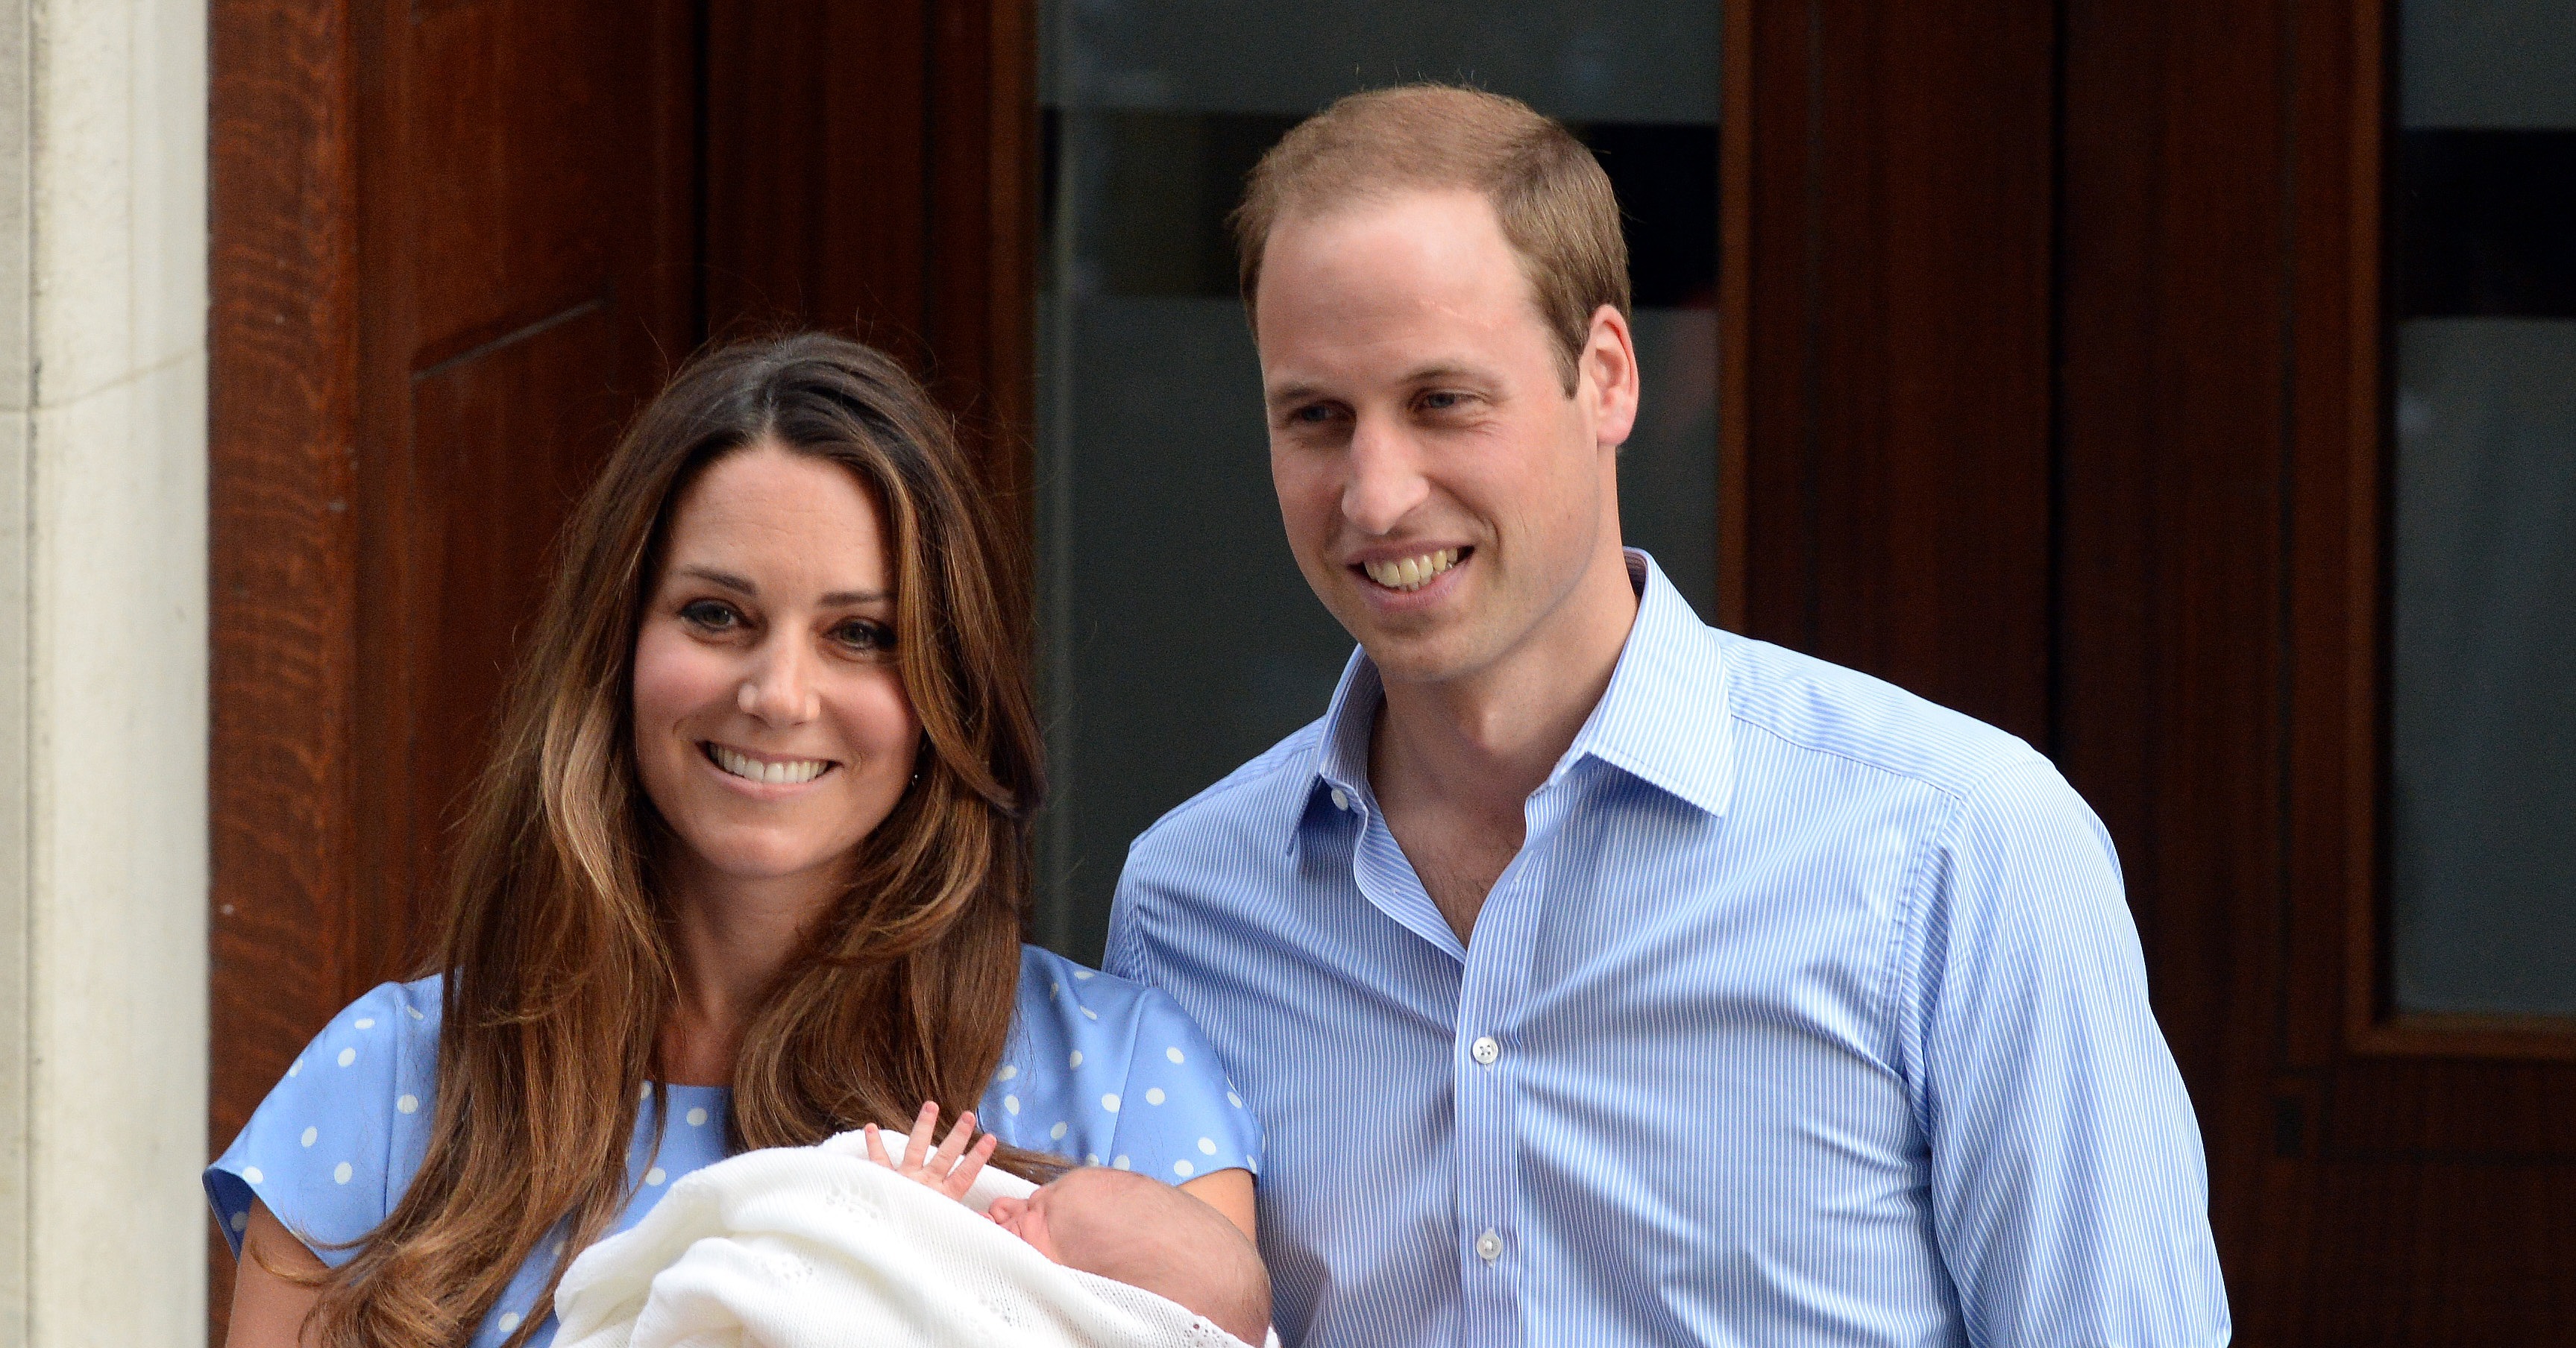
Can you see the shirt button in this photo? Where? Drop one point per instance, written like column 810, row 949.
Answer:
column 1341, row 799
column 1485, row 1050
column 1489, row 1247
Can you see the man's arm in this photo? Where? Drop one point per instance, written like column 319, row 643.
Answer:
column 2070, row 1192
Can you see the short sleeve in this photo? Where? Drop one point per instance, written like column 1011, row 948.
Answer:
column 1179, row 1114
column 338, row 1139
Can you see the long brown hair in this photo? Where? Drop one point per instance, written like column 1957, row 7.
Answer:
column 558, row 969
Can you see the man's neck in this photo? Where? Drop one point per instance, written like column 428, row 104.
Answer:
column 1452, row 763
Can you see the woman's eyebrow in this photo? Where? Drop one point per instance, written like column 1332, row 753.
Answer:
column 724, row 580
column 727, row 580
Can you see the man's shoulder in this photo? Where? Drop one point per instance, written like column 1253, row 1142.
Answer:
column 1807, row 706
column 1262, row 796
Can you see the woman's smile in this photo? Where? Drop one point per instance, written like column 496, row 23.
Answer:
column 762, row 770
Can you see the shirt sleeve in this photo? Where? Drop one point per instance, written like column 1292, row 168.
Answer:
column 321, row 1151
column 1179, row 1116
column 2069, row 1186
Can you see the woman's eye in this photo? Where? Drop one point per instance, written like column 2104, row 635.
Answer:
column 708, row 615
column 862, row 635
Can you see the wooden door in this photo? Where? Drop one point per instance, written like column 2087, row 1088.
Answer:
column 2057, row 386
column 455, row 243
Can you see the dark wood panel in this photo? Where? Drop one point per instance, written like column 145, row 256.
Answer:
column 984, row 222
column 817, row 134
column 282, row 433
column 872, row 169
column 1895, row 347
column 2222, row 423
column 505, row 148
column 503, row 440
column 534, row 174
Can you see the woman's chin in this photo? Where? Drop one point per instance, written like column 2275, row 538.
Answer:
column 765, row 858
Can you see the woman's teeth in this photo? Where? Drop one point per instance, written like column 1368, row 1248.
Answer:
column 1411, row 573
column 791, row 773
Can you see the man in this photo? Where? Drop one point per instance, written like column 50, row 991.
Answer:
column 1597, row 976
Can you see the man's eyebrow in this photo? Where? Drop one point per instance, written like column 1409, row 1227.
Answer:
column 1291, row 393
column 1439, row 370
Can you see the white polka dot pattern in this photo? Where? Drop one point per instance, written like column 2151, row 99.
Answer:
column 1082, row 1044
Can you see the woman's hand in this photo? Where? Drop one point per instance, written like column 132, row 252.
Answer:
column 952, row 1168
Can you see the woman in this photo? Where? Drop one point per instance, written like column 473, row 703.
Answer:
column 746, row 870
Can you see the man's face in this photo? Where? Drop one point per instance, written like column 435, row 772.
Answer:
column 1442, row 492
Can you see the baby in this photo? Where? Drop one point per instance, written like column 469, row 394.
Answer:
column 1110, row 1223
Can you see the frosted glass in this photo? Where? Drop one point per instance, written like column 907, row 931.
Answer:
column 2483, row 837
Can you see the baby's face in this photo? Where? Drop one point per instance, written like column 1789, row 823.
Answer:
column 1027, row 1218
column 1135, row 1230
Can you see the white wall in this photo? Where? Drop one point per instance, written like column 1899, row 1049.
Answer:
column 102, row 671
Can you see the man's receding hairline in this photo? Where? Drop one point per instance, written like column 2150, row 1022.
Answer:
column 1533, row 298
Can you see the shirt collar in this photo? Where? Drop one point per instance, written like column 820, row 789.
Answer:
column 1664, row 718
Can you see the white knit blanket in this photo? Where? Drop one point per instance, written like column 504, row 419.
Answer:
column 819, row 1247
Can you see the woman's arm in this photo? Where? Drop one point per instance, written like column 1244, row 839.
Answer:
column 268, row 1306
column 1229, row 1192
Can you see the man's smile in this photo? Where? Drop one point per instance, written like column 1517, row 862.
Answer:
column 1404, row 575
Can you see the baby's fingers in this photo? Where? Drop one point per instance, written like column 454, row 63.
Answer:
column 958, row 1136
column 962, row 1178
column 916, row 1153
column 876, row 1147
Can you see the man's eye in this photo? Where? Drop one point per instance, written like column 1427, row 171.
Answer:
column 1314, row 414
column 862, row 635
column 1444, row 401
column 708, row 615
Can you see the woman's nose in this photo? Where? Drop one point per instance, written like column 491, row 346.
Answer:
column 781, row 688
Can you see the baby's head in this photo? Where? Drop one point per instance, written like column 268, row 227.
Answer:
column 1148, row 1235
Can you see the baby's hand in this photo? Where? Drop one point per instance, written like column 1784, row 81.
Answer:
column 952, row 1168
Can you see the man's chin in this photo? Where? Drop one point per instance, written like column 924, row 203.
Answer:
column 1423, row 657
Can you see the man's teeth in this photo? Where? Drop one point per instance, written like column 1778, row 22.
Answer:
column 1411, row 573
column 791, row 773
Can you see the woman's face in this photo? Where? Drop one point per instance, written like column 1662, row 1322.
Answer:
column 771, row 726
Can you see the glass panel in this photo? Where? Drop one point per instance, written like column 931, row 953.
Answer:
column 1180, row 640
column 2483, row 827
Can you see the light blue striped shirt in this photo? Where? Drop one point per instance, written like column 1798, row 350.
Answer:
column 1808, row 1013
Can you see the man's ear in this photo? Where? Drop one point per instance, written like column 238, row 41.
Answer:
column 1607, row 378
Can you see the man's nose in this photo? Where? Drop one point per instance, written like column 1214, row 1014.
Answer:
column 781, row 687
column 1385, row 481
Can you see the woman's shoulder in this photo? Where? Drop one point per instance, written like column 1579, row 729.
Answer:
column 1086, row 1016
column 336, row 1140
column 1114, row 1072
column 1072, row 991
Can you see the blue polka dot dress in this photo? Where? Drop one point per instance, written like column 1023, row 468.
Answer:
column 1099, row 1070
